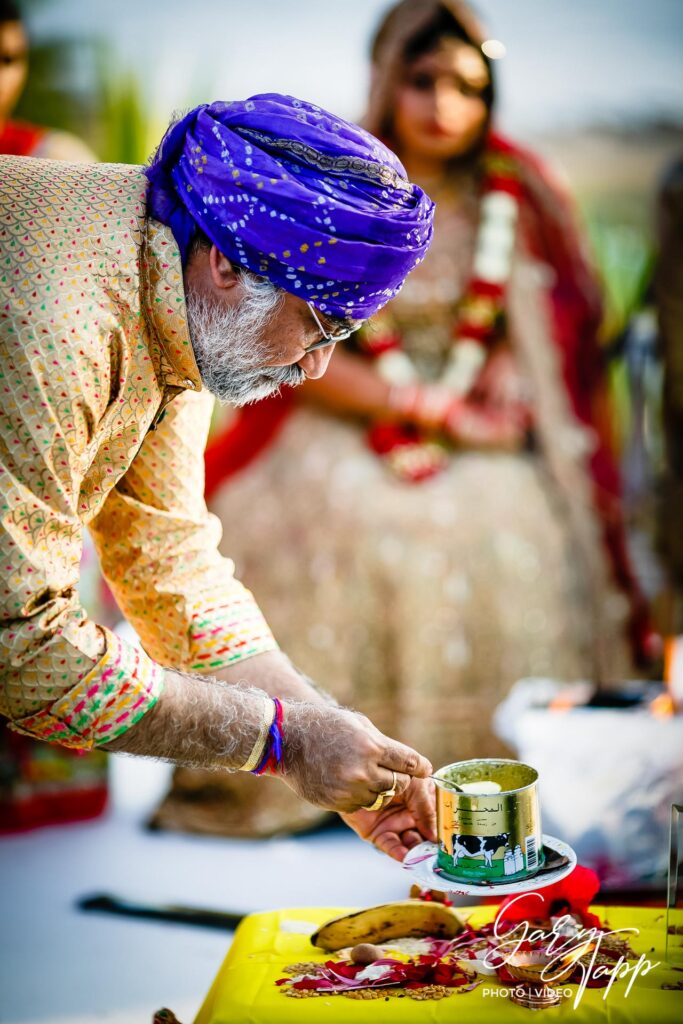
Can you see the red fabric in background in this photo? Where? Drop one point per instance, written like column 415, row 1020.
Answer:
column 253, row 429
column 18, row 138
column 45, row 784
column 35, row 811
column 548, row 222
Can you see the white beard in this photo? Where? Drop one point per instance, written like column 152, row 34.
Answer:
column 229, row 348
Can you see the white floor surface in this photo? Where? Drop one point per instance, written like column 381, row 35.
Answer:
column 59, row 965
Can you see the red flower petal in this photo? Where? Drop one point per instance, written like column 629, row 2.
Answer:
column 576, row 892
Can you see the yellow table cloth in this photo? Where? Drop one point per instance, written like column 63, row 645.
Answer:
column 244, row 991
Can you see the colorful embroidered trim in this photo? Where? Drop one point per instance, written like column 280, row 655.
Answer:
column 228, row 631
column 106, row 702
column 273, row 757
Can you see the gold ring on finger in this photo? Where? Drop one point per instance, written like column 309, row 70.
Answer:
column 394, row 782
column 375, row 806
column 386, row 794
column 391, row 793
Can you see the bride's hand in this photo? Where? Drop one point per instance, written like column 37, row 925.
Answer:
column 500, row 385
column 473, row 426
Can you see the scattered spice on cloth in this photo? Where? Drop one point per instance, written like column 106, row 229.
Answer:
column 437, row 968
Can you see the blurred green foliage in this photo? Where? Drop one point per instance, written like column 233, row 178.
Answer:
column 55, row 94
column 75, row 85
column 625, row 261
column 620, row 235
column 125, row 130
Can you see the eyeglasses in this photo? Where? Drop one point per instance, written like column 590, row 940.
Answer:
column 327, row 338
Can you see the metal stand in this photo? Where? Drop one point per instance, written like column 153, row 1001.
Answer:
column 674, row 892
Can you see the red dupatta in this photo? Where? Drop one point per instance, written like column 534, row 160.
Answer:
column 548, row 225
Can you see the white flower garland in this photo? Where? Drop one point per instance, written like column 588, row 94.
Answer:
column 492, row 264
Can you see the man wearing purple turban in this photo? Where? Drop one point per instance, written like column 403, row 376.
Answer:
column 261, row 233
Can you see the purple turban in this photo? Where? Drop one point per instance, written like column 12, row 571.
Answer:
column 313, row 203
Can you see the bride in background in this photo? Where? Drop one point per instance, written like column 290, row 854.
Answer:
column 441, row 510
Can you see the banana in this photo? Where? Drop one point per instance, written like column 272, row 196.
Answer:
column 389, row 921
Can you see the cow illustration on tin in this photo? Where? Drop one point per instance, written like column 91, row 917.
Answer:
column 478, row 846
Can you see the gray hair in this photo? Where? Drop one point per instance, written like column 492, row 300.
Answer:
column 228, row 343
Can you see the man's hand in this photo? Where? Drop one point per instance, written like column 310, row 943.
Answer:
column 406, row 820
column 337, row 758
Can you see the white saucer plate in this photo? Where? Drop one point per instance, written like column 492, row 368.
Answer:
column 422, row 864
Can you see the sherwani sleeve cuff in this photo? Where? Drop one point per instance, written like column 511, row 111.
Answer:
column 106, row 702
column 226, row 627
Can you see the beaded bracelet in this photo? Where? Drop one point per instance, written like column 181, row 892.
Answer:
column 273, row 757
column 269, row 712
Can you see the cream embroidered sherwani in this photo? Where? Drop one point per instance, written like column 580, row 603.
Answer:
column 103, row 423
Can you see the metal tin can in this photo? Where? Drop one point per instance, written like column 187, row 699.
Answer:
column 488, row 837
